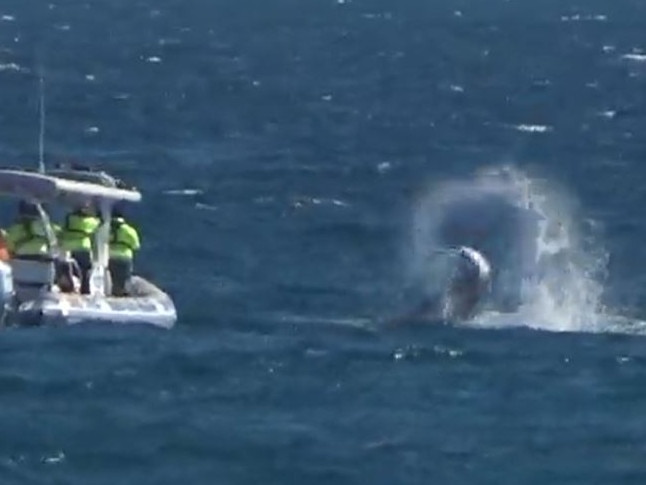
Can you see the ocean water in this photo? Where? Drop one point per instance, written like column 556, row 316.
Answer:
column 300, row 161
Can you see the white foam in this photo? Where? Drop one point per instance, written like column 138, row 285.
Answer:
column 534, row 128
column 635, row 57
column 349, row 321
column 304, row 201
column 11, row 67
column 184, row 192
column 206, row 207
column 584, row 18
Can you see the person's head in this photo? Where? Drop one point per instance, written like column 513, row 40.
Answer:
column 27, row 209
column 85, row 209
column 117, row 211
column 81, row 167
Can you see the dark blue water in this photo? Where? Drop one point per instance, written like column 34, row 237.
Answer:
column 290, row 154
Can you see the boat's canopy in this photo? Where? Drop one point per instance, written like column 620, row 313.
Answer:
column 47, row 188
column 99, row 178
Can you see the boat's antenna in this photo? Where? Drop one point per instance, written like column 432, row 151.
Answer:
column 41, row 136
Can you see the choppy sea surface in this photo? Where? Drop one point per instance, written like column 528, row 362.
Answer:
column 299, row 162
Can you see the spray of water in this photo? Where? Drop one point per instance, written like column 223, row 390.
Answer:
column 548, row 267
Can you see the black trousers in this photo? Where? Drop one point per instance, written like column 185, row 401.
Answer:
column 66, row 270
column 120, row 272
column 84, row 260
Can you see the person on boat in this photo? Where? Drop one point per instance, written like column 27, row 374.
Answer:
column 28, row 236
column 76, row 237
column 124, row 242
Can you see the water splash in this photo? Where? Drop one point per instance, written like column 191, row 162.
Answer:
column 548, row 267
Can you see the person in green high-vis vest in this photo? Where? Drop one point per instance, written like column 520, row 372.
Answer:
column 76, row 237
column 124, row 242
column 27, row 236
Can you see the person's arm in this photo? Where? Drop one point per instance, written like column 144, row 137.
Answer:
column 133, row 238
column 12, row 236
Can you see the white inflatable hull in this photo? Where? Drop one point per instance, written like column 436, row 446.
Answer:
column 148, row 305
column 77, row 309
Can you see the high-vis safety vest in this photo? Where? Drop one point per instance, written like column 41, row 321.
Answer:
column 77, row 232
column 124, row 240
column 28, row 237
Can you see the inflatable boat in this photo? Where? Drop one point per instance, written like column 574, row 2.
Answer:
column 30, row 293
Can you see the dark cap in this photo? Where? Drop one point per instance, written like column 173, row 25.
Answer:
column 27, row 209
column 117, row 210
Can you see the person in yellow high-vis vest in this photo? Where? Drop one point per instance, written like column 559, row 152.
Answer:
column 27, row 236
column 124, row 242
column 76, row 237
